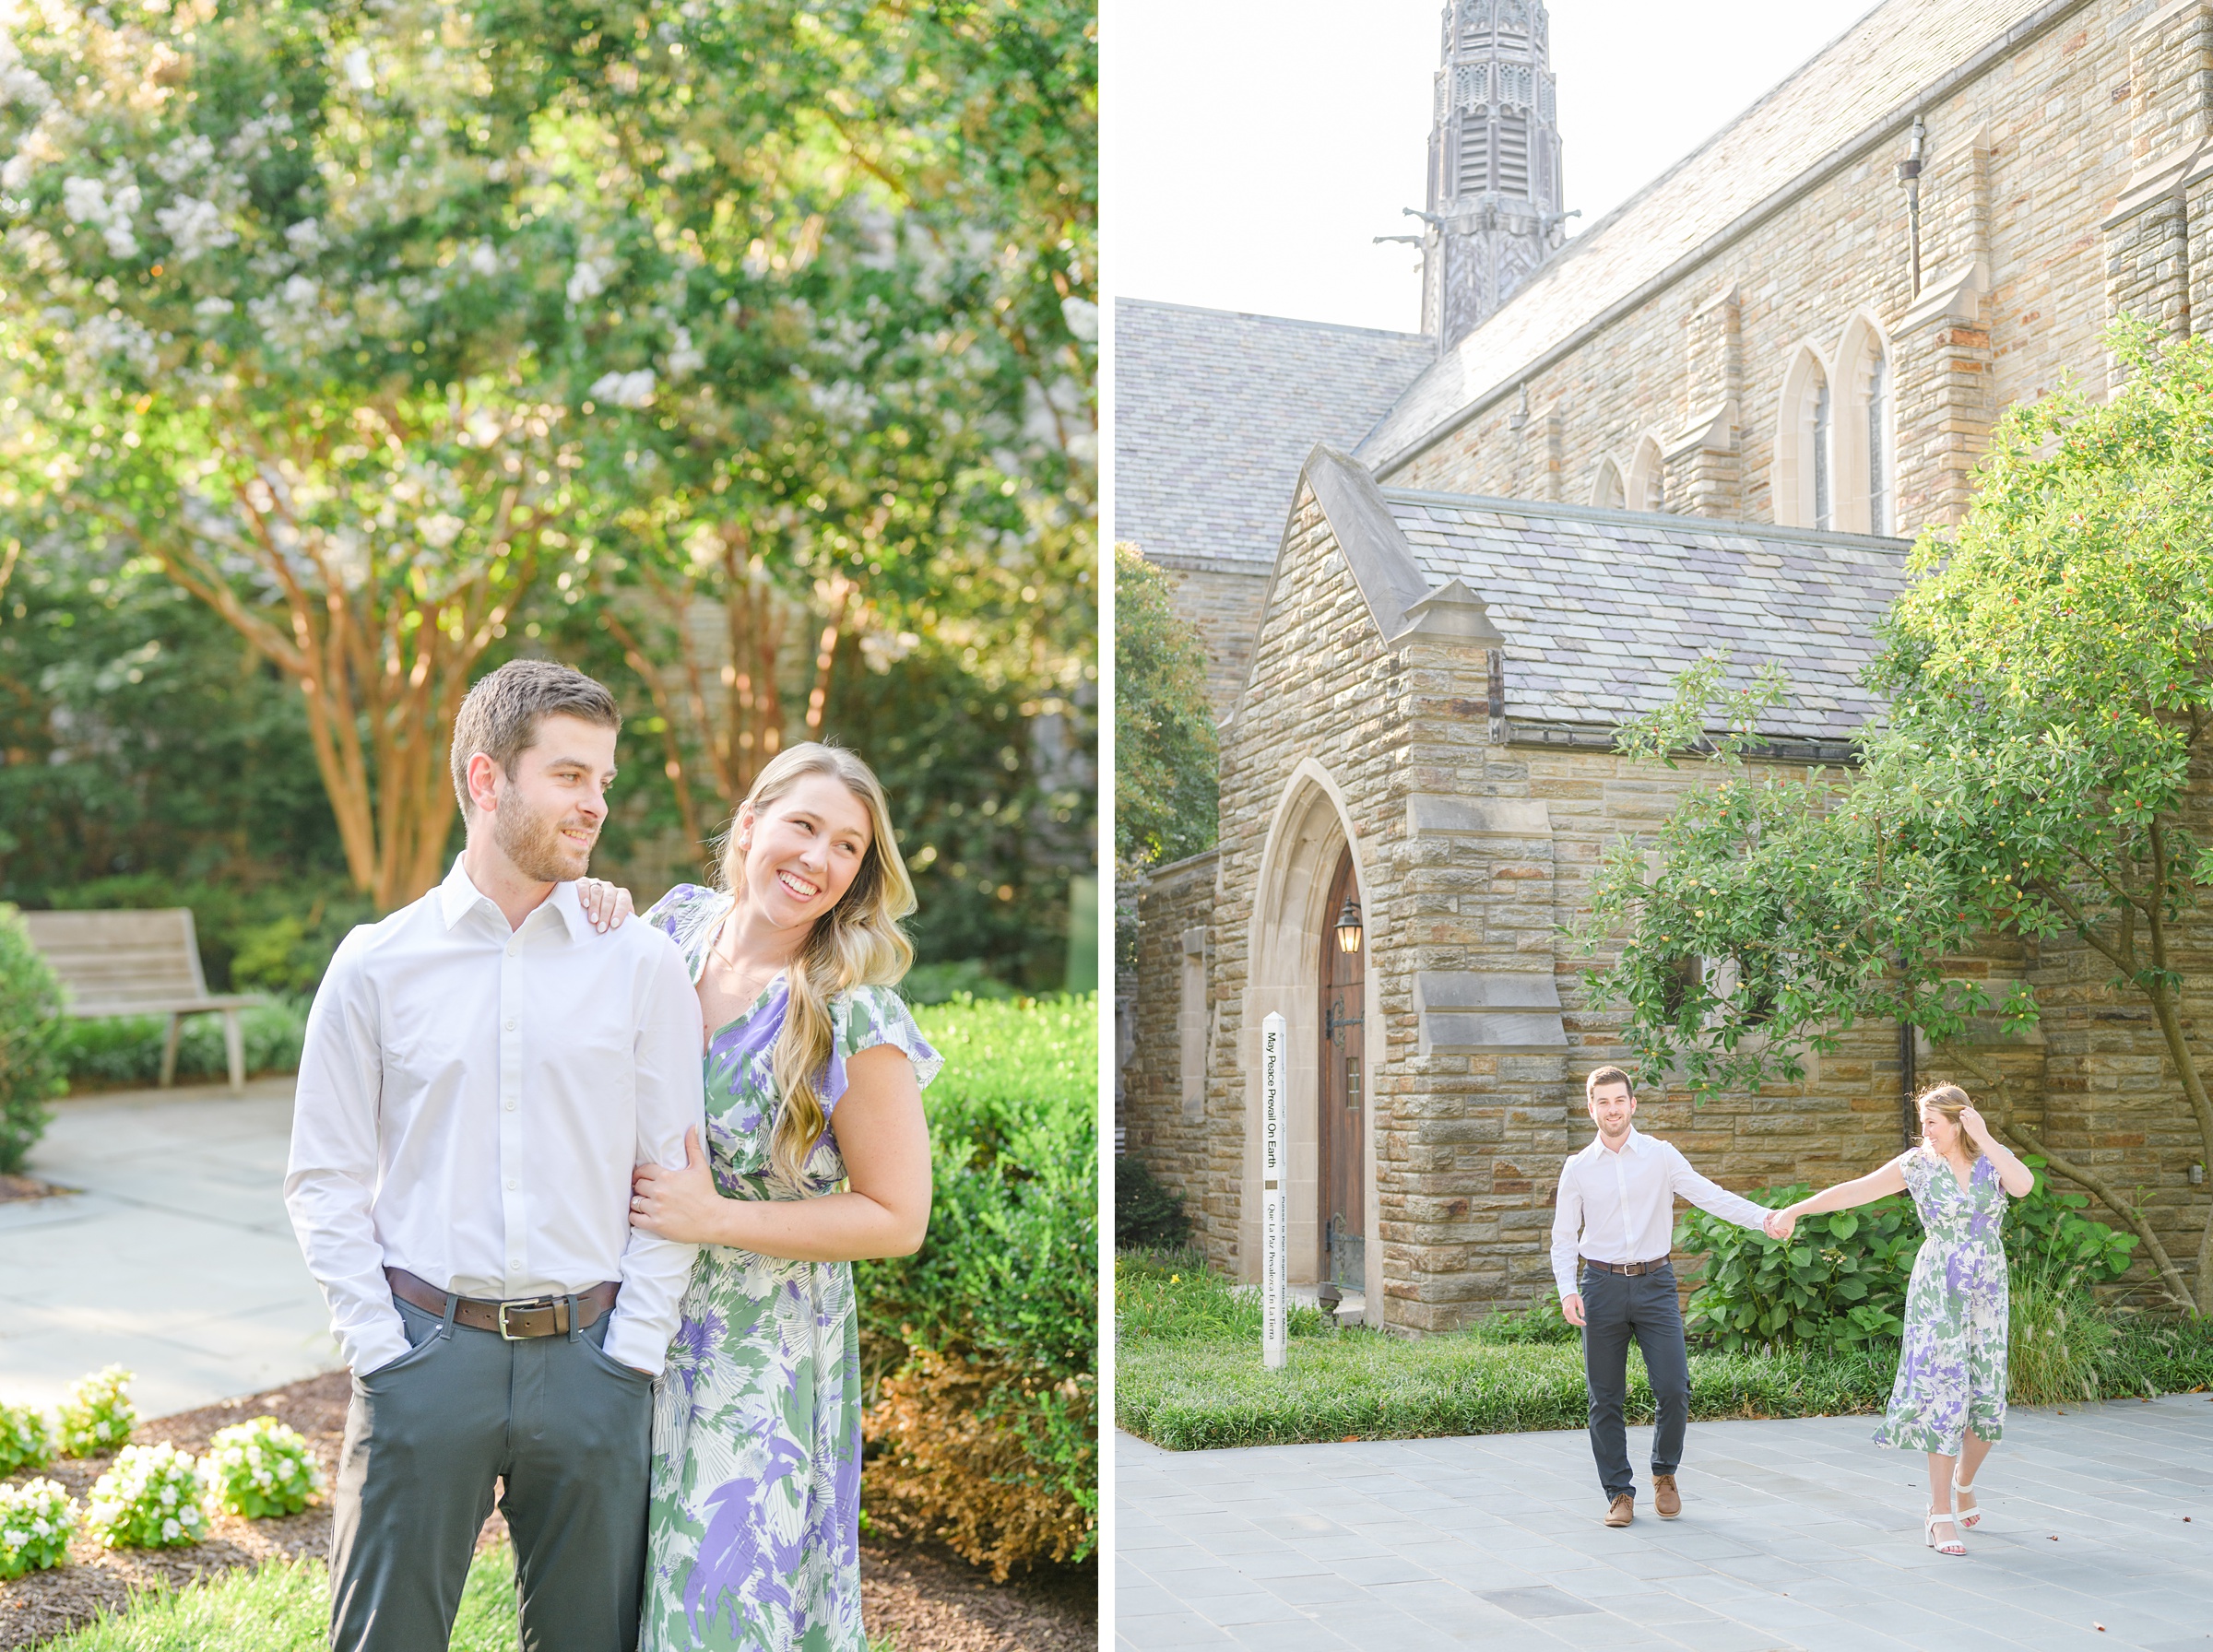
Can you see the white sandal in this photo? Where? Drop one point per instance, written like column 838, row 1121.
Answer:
column 1951, row 1545
column 1965, row 1518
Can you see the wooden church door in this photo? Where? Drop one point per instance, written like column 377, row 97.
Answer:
column 1343, row 1132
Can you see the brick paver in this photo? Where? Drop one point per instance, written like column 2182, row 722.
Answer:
column 1794, row 1535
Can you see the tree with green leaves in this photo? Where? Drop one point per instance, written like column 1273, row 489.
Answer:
column 2036, row 784
column 1166, row 779
column 364, row 322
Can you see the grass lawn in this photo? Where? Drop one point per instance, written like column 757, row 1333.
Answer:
column 284, row 1607
column 1188, row 1372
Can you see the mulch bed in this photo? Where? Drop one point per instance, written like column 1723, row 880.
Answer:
column 930, row 1600
column 14, row 1188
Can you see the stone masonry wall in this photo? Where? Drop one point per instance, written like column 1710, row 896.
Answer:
column 2024, row 166
column 1164, row 1125
column 1221, row 599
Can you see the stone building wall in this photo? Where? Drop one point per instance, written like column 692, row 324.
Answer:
column 1221, row 598
column 2031, row 239
column 1164, row 1100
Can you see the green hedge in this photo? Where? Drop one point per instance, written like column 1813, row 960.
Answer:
column 1841, row 1280
column 1004, row 1291
column 31, row 1026
column 127, row 1049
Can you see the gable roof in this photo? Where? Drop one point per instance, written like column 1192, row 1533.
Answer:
column 1214, row 411
column 1599, row 609
column 1856, row 91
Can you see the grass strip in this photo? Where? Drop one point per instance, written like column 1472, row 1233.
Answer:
column 1188, row 1372
column 284, row 1607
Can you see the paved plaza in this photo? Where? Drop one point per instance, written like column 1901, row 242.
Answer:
column 175, row 1258
column 2098, row 1533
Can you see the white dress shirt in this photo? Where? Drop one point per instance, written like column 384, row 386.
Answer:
column 473, row 1101
column 1621, row 1206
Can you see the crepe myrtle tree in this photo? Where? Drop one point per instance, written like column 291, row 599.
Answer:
column 2038, row 777
column 857, row 405
column 276, row 317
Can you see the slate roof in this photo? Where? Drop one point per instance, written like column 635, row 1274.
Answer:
column 1214, row 411
column 1869, row 79
column 1601, row 609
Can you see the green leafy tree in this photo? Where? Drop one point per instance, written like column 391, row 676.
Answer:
column 1166, row 779
column 2036, row 781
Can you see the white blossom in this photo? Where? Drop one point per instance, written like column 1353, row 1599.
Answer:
column 626, row 389
column 441, row 530
column 360, row 73
column 194, row 226
column 588, row 279
column 305, row 237
column 185, row 157
column 116, row 334
column 88, row 201
column 685, row 357
column 213, row 306
column 484, row 258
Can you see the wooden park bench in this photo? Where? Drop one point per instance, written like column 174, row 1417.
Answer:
column 138, row 963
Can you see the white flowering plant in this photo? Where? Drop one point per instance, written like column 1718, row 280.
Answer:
column 26, row 1439
column 36, row 1520
column 97, row 1414
column 152, row 1498
column 261, row 1468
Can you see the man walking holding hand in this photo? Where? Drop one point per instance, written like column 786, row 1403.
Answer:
column 1616, row 1211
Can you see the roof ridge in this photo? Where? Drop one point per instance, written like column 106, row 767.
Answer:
column 1551, row 507
column 1284, row 320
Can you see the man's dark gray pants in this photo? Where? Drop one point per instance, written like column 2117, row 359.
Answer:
column 570, row 1432
column 1615, row 1308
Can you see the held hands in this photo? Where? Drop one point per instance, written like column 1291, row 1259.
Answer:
column 605, row 905
column 681, row 1205
column 1780, row 1224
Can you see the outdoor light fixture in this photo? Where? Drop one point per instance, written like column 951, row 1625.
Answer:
column 1348, row 925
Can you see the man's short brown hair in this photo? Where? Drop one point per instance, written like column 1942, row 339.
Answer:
column 1607, row 1075
column 501, row 715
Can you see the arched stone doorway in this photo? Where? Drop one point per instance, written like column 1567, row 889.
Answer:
column 1308, row 865
column 1341, row 1127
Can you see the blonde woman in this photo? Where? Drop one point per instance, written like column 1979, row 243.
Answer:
column 817, row 1156
column 1949, row 1398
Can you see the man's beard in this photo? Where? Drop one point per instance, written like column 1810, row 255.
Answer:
column 535, row 845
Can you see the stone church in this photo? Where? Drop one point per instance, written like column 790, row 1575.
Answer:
column 1434, row 571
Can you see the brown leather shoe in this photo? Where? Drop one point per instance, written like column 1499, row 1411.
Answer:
column 1666, row 1500
column 1622, row 1510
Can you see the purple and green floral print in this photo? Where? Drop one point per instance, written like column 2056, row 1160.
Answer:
column 754, row 1534
column 1951, row 1367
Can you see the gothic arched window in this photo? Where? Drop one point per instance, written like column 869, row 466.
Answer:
column 1863, row 437
column 1802, row 494
column 1607, row 492
column 1647, row 486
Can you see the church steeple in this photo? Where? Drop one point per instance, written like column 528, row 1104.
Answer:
column 1493, row 207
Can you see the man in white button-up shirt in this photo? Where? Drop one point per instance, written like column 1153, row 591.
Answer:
column 482, row 1073
column 1616, row 1211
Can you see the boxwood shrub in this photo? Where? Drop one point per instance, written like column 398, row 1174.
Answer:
column 1841, row 1280
column 31, row 1029
column 982, row 1348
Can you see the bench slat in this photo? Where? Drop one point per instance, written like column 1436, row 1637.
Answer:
column 123, row 962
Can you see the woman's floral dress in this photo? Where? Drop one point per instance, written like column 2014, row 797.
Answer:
column 754, row 1535
column 1951, row 1370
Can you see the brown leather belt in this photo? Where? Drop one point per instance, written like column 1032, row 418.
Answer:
column 526, row 1316
column 1629, row 1269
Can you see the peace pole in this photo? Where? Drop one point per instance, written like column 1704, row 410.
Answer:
column 1275, row 1266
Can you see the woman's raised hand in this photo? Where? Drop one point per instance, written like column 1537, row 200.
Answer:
column 605, row 905
column 1977, row 1130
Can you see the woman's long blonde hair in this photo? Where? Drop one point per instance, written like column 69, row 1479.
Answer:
column 1947, row 1099
column 858, row 942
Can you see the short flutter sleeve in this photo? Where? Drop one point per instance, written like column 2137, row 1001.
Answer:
column 688, row 916
column 864, row 1018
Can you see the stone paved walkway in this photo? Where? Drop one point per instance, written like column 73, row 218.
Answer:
column 176, row 1259
column 1794, row 1535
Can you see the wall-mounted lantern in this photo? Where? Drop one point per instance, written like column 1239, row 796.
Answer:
column 1348, row 925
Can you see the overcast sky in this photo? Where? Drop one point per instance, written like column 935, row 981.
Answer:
column 1252, row 148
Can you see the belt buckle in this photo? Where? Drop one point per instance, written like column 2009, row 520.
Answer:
column 526, row 1306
